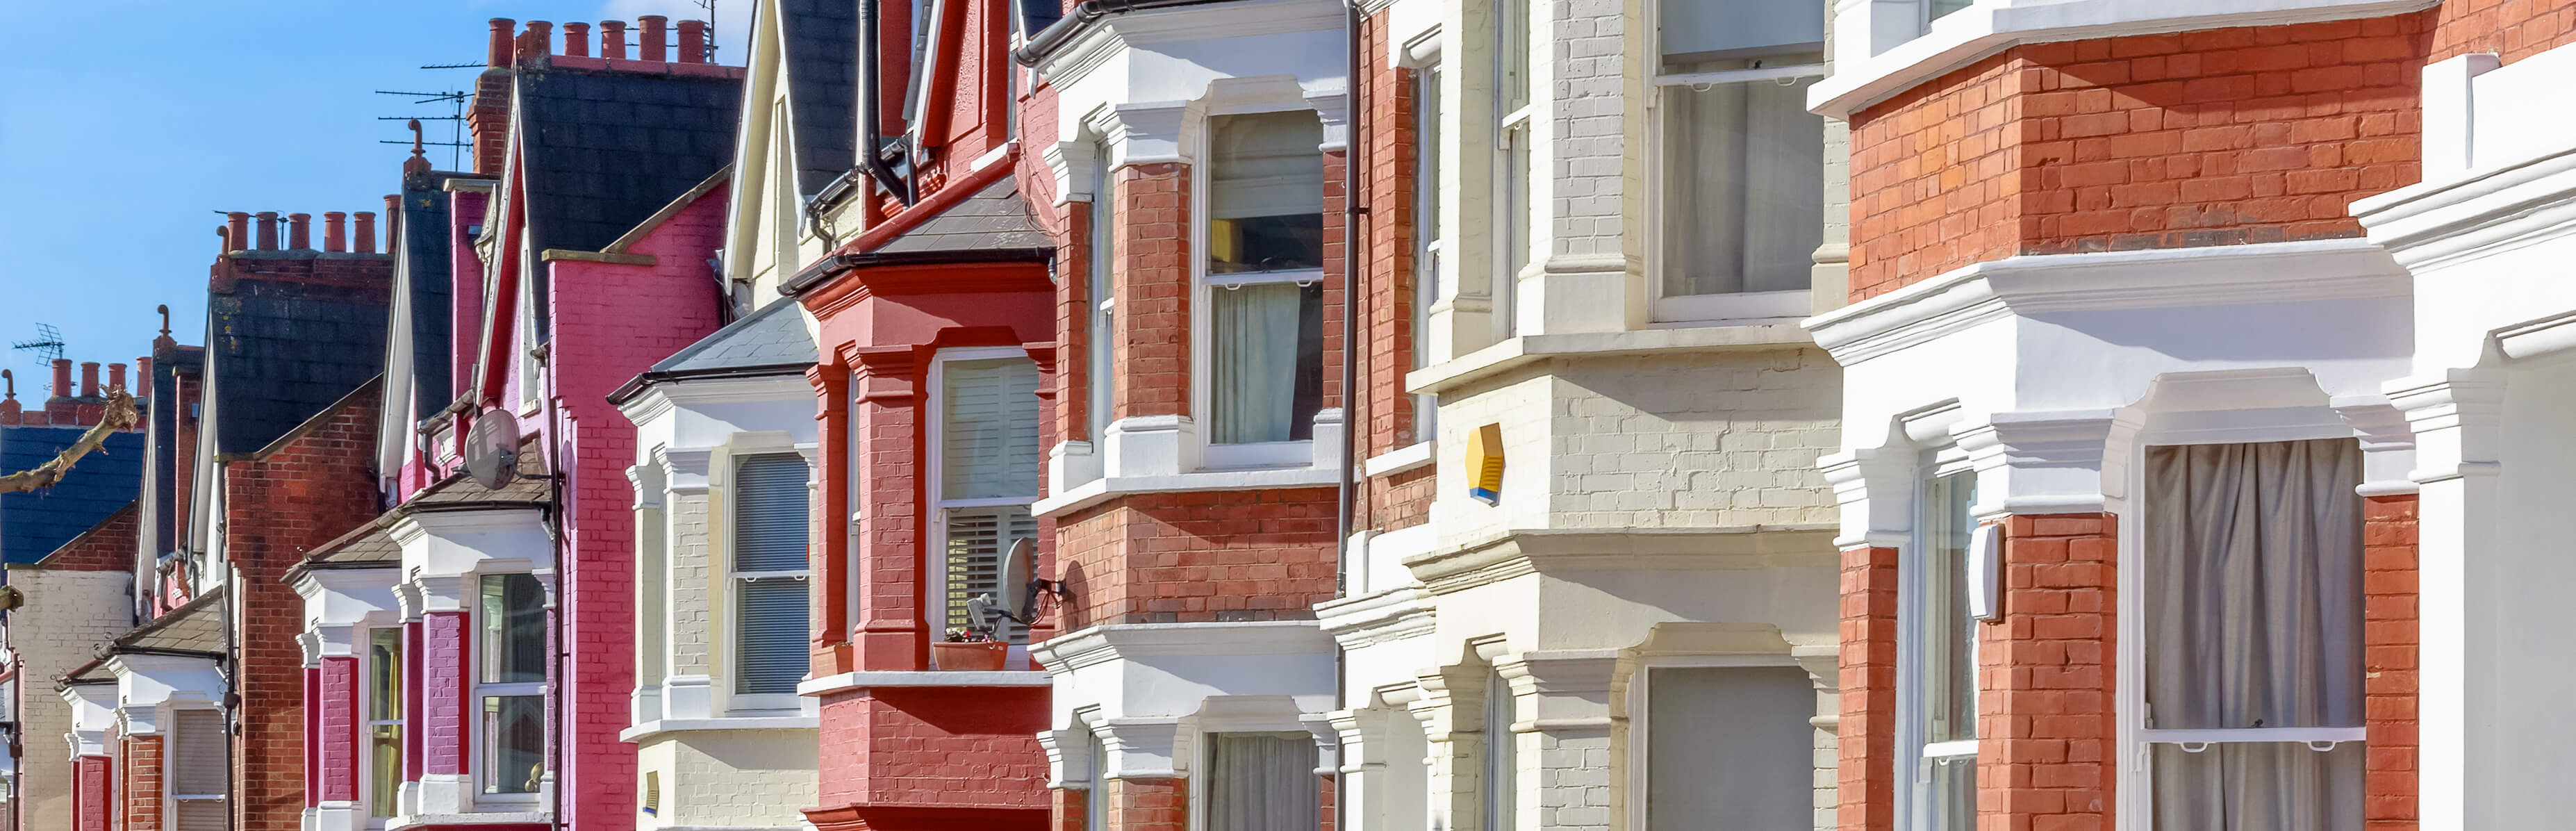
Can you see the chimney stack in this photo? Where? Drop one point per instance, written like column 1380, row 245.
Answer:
column 612, row 39
column 299, row 231
column 240, row 224
column 89, row 379
column 499, row 55
column 655, row 38
column 365, row 235
column 577, row 40
column 693, row 41
column 268, row 230
column 164, row 340
column 335, row 231
column 115, row 376
column 9, row 405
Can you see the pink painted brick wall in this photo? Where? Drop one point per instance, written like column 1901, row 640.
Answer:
column 443, row 712
column 338, row 748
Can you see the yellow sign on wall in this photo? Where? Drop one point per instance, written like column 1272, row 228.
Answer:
column 1485, row 464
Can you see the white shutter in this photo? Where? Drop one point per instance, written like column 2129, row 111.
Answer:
column 988, row 440
column 976, row 539
column 770, row 518
column 199, row 769
column 770, row 653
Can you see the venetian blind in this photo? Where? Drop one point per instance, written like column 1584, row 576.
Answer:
column 988, row 441
column 977, row 537
column 770, row 518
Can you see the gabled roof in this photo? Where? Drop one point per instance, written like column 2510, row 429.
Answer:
column 427, row 263
column 196, row 627
column 35, row 523
column 770, row 340
column 290, row 335
column 821, row 60
column 603, row 151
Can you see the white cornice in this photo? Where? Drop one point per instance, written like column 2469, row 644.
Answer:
column 870, row 679
column 1518, row 352
column 1513, row 554
column 2282, row 272
column 1381, row 617
column 1128, row 641
column 2476, row 213
column 1118, row 32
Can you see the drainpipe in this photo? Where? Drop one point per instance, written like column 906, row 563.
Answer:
column 871, row 66
column 553, row 521
column 1353, row 264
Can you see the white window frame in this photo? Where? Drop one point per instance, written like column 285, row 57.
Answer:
column 934, row 580
column 530, row 396
column 1640, row 727
column 1515, row 225
column 1101, row 362
column 1739, row 308
column 1914, row 755
column 171, row 798
column 1431, row 249
column 480, row 690
column 2136, row 788
column 736, row 581
column 1212, row 455
column 367, row 725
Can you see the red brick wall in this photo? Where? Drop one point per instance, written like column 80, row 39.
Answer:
column 934, row 758
column 2513, row 29
column 300, row 493
column 1402, row 499
column 1153, row 286
column 2214, row 137
column 107, row 546
column 1198, row 556
column 1385, row 413
column 2390, row 644
column 1149, row 804
column 1069, row 806
column 1865, row 779
column 141, row 758
column 2046, row 727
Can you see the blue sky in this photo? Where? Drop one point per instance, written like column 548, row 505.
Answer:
column 125, row 126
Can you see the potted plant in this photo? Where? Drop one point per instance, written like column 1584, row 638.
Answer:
column 969, row 650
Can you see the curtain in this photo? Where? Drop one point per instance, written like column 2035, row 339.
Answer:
column 1262, row 782
column 2253, row 619
column 1262, row 335
column 1730, row 749
column 1744, row 189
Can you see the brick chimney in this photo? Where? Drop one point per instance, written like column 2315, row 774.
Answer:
column 335, row 231
column 693, row 41
column 577, row 40
column 268, row 230
column 364, row 237
column 655, row 38
column 299, row 231
column 612, row 39
column 489, row 115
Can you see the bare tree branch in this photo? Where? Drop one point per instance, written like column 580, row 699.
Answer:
column 120, row 416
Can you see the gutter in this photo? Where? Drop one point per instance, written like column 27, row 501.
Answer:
column 1083, row 18
column 824, row 269
column 635, row 386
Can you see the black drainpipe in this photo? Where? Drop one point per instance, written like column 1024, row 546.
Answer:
column 1352, row 396
column 871, row 70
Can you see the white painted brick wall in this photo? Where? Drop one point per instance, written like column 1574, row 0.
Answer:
column 733, row 778
column 691, row 615
column 68, row 617
column 1687, row 441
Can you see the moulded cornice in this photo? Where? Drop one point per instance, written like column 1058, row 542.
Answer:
column 1377, row 618
column 1118, row 32
column 2036, row 284
column 1512, row 554
column 1128, row 641
column 1514, row 353
column 2478, row 213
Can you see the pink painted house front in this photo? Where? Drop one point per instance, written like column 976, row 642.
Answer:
column 470, row 653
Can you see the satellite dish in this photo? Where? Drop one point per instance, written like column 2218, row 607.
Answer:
column 1017, row 587
column 492, row 449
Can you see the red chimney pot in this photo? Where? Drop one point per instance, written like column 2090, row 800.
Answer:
column 240, row 230
column 500, row 48
column 116, row 376
column 612, row 39
column 268, row 230
column 577, row 40
column 89, row 379
column 365, row 235
column 299, row 231
column 655, row 38
column 335, row 231
column 693, row 41
column 541, row 37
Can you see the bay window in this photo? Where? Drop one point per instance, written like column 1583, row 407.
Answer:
column 510, row 683
column 986, row 439
column 2251, row 633
column 1432, row 248
column 384, row 775
column 1939, row 655
column 199, row 770
column 770, row 528
column 1511, row 164
column 1741, row 160
column 1729, row 748
column 1104, row 294
column 1264, row 286
column 1262, row 782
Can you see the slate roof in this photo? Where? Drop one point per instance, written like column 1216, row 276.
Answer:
column 995, row 218
column 196, row 627
column 772, row 336
column 822, row 62
column 461, row 490
column 162, row 412
column 282, row 350
column 34, row 523
column 606, row 150
column 428, row 285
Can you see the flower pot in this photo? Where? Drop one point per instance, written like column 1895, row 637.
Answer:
column 985, row 656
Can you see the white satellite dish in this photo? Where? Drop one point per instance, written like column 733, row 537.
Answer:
column 1017, row 588
column 492, row 449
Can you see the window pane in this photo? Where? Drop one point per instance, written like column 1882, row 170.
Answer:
column 1427, row 274
column 1511, row 56
column 384, row 716
column 1502, row 753
column 988, row 440
column 977, row 538
column 1095, row 805
column 770, row 513
column 1104, row 290
column 1940, row 8
column 1516, row 235
column 2257, row 786
column 1949, row 670
column 385, row 772
column 1730, row 749
column 199, row 764
column 770, row 653
column 1268, row 362
column 201, row 815
column 1951, row 799
column 514, row 629
column 2253, row 595
column 1743, row 204
column 514, row 743
column 1262, row 782
column 1693, row 30
column 384, row 674
column 1265, row 193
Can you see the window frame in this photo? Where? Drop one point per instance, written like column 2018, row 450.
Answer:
column 370, row 667
column 1729, row 309
column 1510, row 171
column 1498, row 802
column 170, row 797
column 1914, row 639
column 1294, row 453
column 481, row 691
column 1100, row 393
column 736, row 581
column 1203, row 785
column 1640, row 724
column 934, row 579
column 1431, row 242
column 2134, row 766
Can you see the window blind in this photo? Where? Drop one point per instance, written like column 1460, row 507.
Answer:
column 770, row 655
column 197, row 755
column 988, row 441
column 977, row 537
column 771, row 522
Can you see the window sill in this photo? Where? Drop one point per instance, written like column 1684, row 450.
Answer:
column 1108, row 487
column 475, row 818
column 868, row 679
column 1401, row 459
column 1528, row 349
column 655, row 727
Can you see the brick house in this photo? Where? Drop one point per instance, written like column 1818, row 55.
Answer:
column 2152, row 331
column 468, row 654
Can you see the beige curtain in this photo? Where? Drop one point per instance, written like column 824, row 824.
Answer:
column 2253, row 619
column 1263, row 782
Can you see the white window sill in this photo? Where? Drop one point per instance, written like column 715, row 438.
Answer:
column 1400, row 459
column 476, row 818
column 1950, row 749
column 1519, row 351
column 649, row 729
column 868, row 679
column 1102, row 489
column 1990, row 26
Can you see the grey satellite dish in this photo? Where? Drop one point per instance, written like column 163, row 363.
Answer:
column 492, row 449
column 1018, row 586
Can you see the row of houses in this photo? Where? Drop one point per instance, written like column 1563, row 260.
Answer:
column 1398, row 414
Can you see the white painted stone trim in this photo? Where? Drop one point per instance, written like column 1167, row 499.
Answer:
column 656, row 727
column 870, row 679
column 1516, row 352
column 1401, row 459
